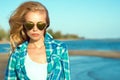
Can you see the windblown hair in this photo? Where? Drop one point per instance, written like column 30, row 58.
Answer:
column 17, row 31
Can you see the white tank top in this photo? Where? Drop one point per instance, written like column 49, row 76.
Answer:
column 35, row 71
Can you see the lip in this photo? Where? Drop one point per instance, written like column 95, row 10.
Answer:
column 35, row 34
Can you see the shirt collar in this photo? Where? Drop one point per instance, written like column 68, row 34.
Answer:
column 23, row 47
column 48, row 37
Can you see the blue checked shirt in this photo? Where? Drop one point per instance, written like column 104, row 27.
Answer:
column 57, row 58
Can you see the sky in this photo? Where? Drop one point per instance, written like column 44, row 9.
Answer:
column 91, row 19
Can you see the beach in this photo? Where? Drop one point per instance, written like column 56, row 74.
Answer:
column 3, row 63
column 108, row 54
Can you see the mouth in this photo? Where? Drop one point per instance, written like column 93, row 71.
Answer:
column 35, row 34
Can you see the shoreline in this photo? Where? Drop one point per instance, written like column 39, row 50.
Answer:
column 111, row 54
column 107, row 54
column 4, row 42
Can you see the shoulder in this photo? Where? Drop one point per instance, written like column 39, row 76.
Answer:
column 19, row 50
column 59, row 43
column 59, row 48
column 53, row 42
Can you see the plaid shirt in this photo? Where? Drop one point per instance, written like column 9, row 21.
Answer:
column 57, row 58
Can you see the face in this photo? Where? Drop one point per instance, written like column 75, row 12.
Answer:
column 35, row 23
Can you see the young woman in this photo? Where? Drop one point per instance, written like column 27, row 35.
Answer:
column 35, row 54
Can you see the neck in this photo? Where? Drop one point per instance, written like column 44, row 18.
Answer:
column 36, row 44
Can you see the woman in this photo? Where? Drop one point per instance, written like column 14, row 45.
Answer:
column 35, row 54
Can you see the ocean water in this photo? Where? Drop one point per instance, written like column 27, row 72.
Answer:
column 104, row 45
column 90, row 67
column 94, row 68
column 4, row 48
column 107, row 45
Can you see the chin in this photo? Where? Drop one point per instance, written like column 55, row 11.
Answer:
column 35, row 38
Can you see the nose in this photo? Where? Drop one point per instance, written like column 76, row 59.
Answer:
column 35, row 28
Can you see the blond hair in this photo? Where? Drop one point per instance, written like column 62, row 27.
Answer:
column 17, row 31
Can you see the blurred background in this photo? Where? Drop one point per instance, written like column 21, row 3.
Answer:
column 90, row 28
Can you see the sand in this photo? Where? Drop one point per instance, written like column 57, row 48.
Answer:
column 110, row 54
column 3, row 63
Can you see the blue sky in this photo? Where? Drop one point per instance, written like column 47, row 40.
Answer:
column 86, row 18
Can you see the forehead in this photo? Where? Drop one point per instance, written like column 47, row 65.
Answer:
column 35, row 16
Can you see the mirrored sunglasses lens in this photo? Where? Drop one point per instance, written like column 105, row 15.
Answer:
column 41, row 26
column 29, row 25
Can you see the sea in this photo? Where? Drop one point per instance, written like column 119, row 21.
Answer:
column 90, row 67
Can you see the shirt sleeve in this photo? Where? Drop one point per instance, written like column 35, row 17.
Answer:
column 65, row 62
column 10, row 73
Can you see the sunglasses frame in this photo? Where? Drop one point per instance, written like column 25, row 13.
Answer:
column 29, row 25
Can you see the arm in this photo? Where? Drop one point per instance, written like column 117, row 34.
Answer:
column 10, row 69
column 66, row 64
